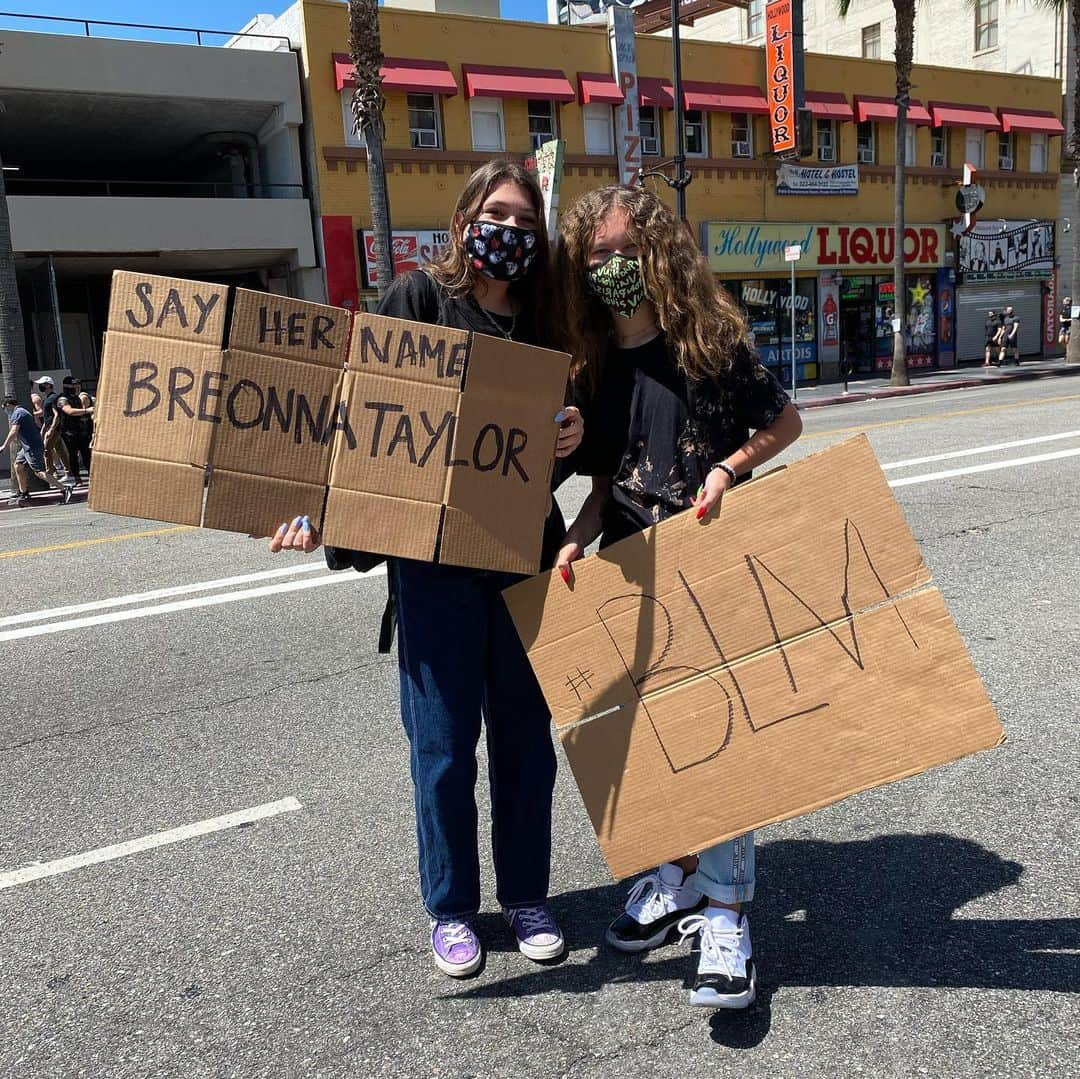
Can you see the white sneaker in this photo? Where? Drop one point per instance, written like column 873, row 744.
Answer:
column 653, row 907
column 725, row 977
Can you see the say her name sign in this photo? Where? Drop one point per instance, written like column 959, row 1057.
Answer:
column 395, row 437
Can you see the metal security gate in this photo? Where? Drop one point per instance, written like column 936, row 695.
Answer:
column 972, row 303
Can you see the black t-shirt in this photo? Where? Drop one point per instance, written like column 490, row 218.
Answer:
column 992, row 327
column 657, row 434
column 48, row 409
column 69, row 425
column 1011, row 322
column 418, row 297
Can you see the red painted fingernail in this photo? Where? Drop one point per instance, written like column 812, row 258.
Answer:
column 564, row 572
column 701, row 512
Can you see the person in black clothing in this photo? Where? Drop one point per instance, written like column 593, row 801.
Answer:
column 50, row 424
column 1010, row 337
column 671, row 389
column 459, row 656
column 993, row 336
column 1065, row 322
column 75, row 429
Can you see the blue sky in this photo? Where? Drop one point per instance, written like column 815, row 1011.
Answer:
column 200, row 14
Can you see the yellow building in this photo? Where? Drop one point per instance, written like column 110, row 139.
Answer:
column 448, row 111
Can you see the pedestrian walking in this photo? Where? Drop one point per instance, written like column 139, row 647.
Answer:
column 1065, row 322
column 76, row 428
column 994, row 332
column 30, row 458
column 459, row 657
column 1010, row 336
column 55, row 450
column 671, row 389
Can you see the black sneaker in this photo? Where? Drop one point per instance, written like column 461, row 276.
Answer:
column 654, row 907
column 725, row 976
column 67, row 490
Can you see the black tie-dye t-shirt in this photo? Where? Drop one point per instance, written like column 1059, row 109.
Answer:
column 656, row 434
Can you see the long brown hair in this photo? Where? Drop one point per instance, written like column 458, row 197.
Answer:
column 704, row 325
column 452, row 268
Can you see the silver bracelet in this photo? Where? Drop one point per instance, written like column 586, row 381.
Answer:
column 725, row 467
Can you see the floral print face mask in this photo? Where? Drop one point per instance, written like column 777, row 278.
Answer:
column 503, row 252
column 619, row 283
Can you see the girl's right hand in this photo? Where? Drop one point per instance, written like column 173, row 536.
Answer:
column 570, row 551
column 296, row 535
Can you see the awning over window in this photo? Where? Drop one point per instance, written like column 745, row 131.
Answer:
column 598, row 89
column 883, row 110
column 724, row 97
column 1042, row 123
column 655, row 92
column 546, row 83
column 401, row 76
column 827, row 105
column 948, row 115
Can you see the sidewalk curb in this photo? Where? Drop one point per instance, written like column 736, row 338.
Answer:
column 938, row 387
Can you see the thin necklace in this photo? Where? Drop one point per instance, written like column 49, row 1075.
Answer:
column 508, row 334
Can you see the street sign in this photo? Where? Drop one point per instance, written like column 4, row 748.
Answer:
column 793, row 252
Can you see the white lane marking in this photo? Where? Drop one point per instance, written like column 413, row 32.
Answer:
column 161, row 593
column 992, row 467
column 911, row 461
column 147, row 842
column 341, row 577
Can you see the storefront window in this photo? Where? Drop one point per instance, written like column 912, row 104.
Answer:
column 767, row 302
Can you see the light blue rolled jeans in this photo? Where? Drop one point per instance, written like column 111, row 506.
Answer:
column 726, row 872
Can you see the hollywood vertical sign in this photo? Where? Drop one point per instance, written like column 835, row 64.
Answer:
column 783, row 73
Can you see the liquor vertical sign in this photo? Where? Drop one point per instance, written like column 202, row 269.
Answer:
column 624, row 67
column 783, row 73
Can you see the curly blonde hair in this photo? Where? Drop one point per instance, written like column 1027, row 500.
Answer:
column 704, row 325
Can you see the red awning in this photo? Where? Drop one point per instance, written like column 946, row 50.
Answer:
column 598, row 89
column 547, row 83
column 655, row 92
column 948, row 115
column 883, row 109
column 1043, row 123
column 401, row 76
column 724, row 97
column 827, row 105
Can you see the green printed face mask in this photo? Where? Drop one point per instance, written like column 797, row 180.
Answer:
column 618, row 282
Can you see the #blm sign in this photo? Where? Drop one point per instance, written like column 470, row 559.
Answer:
column 241, row 411
column 710, row 679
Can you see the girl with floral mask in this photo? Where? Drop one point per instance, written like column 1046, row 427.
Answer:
column 671, row 391
column 459, row 657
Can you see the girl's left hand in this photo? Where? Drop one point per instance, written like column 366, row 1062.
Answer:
column 711, row 492
column 571, row 431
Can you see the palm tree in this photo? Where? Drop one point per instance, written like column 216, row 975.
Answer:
column 903, row 54
column 12, row 342
column 367, row 106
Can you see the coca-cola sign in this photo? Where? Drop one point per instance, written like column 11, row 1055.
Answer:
column 410, row 251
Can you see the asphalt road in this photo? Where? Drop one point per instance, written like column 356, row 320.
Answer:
column 927, row 928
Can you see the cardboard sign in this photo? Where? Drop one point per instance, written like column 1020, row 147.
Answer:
column 434, row 443
column 708, row 679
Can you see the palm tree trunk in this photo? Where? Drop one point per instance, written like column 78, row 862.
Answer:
column 1072, row 351
column 12, row 339
column 367, row 105
column 905, row 40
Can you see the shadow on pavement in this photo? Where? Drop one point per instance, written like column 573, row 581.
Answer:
column 875, row 912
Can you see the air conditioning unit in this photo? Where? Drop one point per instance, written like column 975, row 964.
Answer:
column 866, row 155
column 741, row 149
column 425, row 137
column 1005, row 164
column 650, row 145
column 826, row 153
column 937, row 161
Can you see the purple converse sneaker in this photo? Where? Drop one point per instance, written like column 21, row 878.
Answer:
column 537, row 934
column 456, row 948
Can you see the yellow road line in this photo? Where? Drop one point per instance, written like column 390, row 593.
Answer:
column 96, row 540
column 937, row 416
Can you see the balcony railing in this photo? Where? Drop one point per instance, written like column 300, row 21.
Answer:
column 180, row 34
column 161, row 189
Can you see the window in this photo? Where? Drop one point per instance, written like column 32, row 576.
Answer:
column 352, row 136
column 826, row 140
column 598, row 138
column 755, row 19
column 541, row 122
column 871, row 42
column 865, row 142
column 1005, row 151
column 742, row 135
column 973, row 147
column 424, row 133
column 649, row 121
column 986, row 24
column 697, row 133
column 909, row 144
column 1038, row 152
column 487, row 123
column 939, row 148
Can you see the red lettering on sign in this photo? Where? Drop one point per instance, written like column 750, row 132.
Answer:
column 825, row 256
column 885, row 243
column 862, row 246
column 929, row 254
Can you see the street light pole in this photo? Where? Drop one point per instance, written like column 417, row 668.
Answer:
column 681, row 178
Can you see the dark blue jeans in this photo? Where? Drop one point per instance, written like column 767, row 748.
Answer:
column 460, row 657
